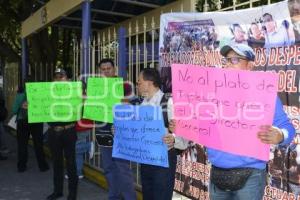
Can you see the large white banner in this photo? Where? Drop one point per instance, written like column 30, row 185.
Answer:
column 273, row 32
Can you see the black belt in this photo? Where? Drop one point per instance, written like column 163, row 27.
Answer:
column 62, row 128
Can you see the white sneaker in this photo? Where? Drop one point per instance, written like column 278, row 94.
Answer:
column 4, row 150
column 79, row 177
column 92, row 150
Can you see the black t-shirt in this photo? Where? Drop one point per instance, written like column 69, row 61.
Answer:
column 51, row 124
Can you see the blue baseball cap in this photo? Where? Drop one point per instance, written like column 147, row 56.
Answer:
column 241, row 49
column 60, row 71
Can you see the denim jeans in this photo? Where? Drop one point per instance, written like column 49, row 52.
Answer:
column 82, row 146
column 118, row 175
column 158, row 182
column 252, row 190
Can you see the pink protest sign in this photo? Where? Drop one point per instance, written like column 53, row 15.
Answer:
column 222, row 108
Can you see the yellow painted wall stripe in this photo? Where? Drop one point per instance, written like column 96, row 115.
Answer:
column 97, row 177
column 48, row 14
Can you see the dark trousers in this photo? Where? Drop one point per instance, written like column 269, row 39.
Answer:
column 23, row 132
column 118, row 175
column 62, row 143
column 158, row 182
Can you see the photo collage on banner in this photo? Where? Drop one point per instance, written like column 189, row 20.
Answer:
column 273, row 32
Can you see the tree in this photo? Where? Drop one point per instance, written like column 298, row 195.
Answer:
column 50, row 46
column 213, row 4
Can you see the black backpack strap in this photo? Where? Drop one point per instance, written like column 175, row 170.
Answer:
column 164, row 107
column 136, row 101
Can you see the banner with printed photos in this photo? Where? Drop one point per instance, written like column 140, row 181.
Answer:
column 273, row 32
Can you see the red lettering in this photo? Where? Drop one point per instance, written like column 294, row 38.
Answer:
column 258, row 55
column 290, row 81
column 272, row 56
column 281, row 81
column 292, row 196
column 279, row 53
column 284, row 59
column 286, row 81
column 285, row 196
column 290, row 54
column 296, row 57
column 267, row 190
column 296, row 123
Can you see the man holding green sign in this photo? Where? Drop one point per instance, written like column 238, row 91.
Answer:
column 103, row 94
column 62, row 135
column 54, row 101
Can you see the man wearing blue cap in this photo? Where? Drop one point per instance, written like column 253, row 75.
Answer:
column 241, row 177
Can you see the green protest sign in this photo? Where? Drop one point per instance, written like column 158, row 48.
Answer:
column 54, row 101
column 102, row 95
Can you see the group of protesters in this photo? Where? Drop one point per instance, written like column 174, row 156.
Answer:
column 232, row 176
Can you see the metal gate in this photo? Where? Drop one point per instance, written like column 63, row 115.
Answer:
column 142, row 35
column 142, row 49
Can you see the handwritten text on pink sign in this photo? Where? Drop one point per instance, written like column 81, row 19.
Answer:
column 223, row 109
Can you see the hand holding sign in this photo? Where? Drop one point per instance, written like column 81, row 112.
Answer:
column 270, row 135
column 102, row 95
column 53, row 101
column 169, row 140
column 139, row 132
column 214, row 106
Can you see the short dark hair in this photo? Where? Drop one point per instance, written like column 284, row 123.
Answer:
column 151, row 74
column 106, row 60
column 233, row 26
column 253, row 23
column 268, row 14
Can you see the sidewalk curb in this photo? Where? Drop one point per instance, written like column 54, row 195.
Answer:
column 97, row 177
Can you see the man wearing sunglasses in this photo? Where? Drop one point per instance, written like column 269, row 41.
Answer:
column 241, row 177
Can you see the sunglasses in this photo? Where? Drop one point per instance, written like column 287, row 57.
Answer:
column 232, row 60
column 59, row 76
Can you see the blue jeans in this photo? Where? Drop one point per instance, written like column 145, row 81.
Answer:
column 158, row 182
column 82, row 146
column 252, row 190
column 118, row 175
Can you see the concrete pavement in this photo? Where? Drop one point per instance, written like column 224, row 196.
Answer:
column 33, row 184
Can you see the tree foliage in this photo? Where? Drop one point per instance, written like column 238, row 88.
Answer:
column 213, row 4
column 50, row 46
